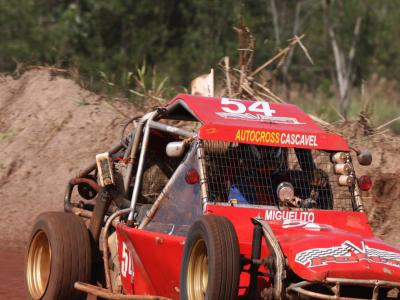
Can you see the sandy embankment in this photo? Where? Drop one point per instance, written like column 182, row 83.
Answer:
column 49, row 128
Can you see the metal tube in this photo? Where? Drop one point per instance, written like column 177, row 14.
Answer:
column 100, row 209
column 364, row 282
column 139, row 171
column 82, row 212
column 357, row 196
column 202, row 174
column 106, row 294
column 105, row 245
column 88, row 214
column 276, row 251
column 129, row 149
column 83, row 173
column 67, row 197
column 132, row 157
column 171, row 129
column 300, row 287
column 359, row 206
column 92, row 166
column 315, row 295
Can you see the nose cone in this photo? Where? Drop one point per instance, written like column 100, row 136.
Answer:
column 323, row 255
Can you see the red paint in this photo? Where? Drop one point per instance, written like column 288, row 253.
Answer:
column 156, row 260
column 340, row 243
column 157, row 257
column 334, row 230
column 261, row 132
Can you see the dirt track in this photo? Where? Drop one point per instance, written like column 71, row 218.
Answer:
column 50, row 127
column 11, row 275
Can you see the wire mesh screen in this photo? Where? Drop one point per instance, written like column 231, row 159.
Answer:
column 251, row 174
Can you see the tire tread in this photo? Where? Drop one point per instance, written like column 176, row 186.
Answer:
column 70, row 251
column 223, row 257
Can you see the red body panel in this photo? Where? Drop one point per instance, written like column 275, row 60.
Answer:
column 339, row 244
column 317, row 244
column 156, row 262
column 279, row 125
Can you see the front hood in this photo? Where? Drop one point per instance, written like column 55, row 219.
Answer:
column 316, row 251
column 320, row 244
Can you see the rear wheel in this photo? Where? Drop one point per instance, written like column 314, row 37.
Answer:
column 59, row 255
column 211, row 261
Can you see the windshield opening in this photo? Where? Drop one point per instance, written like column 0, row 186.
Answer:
column 251, row 174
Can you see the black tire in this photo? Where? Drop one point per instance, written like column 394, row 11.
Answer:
column 215, row 237
column 66, row 238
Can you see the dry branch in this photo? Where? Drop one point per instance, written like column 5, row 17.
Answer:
column 281, row 53
column 387, row 123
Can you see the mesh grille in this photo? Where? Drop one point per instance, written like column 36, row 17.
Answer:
column 250, row 174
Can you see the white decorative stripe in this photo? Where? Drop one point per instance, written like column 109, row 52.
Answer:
column 347, row 252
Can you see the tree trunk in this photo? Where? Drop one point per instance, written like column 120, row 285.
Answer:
column 288, row 61
column 343, row 66
column 275, row 20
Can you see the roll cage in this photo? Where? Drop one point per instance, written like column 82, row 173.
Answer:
column 220, row 166
column 216, row 158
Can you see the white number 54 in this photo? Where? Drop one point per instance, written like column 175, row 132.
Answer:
column 126, row 263
column 237, row 107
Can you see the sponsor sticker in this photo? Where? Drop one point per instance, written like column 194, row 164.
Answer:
column 294, row 139
column 278, row 215
column 347, row 252
column 302, row 224
column 276, row 137
column 258, row 117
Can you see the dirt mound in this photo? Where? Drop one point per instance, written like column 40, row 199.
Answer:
column 382, row 201
column 49, row 128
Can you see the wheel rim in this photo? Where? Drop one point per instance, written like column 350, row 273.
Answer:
column 38, row 265
column 197, row 278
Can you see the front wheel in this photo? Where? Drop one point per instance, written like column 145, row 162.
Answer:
column 211, row 261
column 59, row 255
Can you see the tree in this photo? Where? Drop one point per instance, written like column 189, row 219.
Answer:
column 343, row 62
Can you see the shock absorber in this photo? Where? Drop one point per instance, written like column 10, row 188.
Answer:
column 255, row 258
column 103, row 201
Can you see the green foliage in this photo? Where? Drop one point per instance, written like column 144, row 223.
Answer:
column 108, row 40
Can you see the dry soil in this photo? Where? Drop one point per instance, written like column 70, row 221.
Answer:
column 50, row 127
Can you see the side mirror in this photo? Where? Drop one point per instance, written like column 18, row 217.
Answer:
column 175, row 149
column 364, row 157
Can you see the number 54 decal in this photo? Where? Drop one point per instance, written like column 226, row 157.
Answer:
column 126, row 261
column 234, row 106
column 256, row 111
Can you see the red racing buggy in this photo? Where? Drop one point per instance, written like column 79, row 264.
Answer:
column 215, row 198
